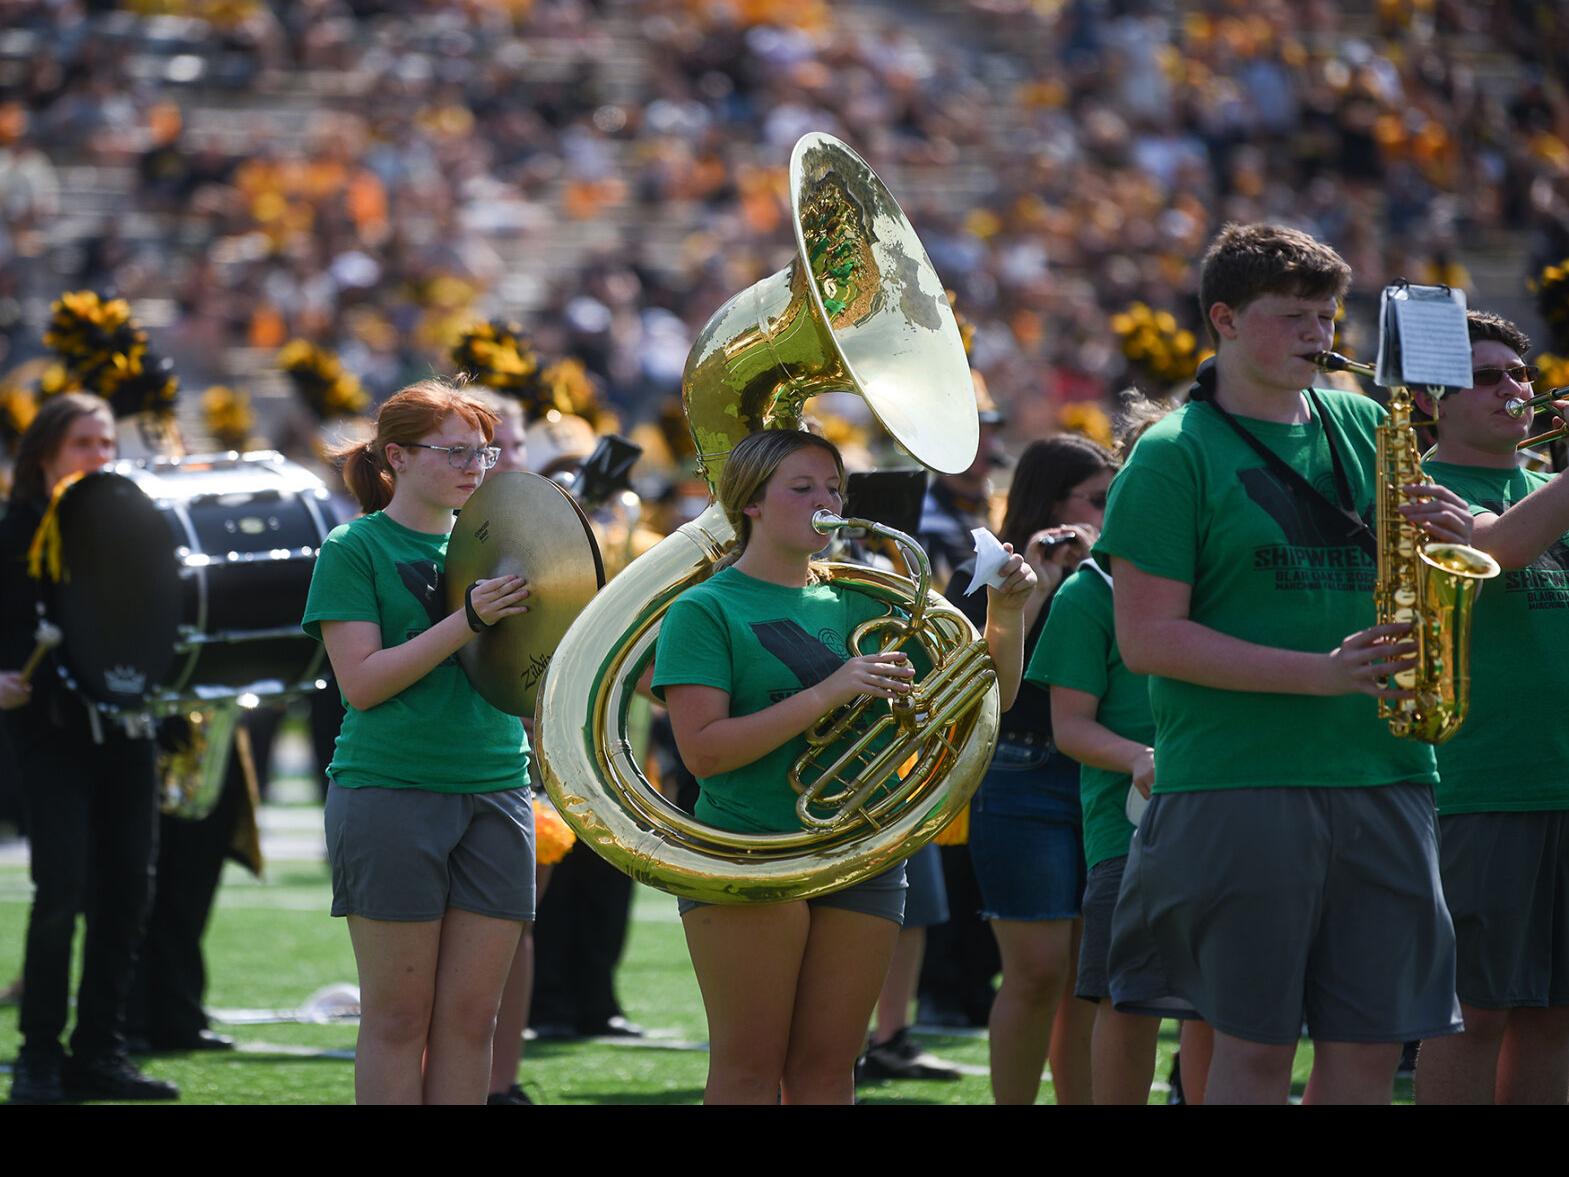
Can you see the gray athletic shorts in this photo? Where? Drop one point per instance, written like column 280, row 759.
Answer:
column 410, row 854
column 1269, row 908
column 1506, row 880
column 1144, row 985
column 881, row 895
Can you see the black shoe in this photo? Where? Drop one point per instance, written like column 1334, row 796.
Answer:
column 512, row 1095
column 1175, row 1096
column 199, row 1040
column 899, row 1058
column 1408, row 1059
column 113, row 1076
column 37, row 1080
column 613, row 1027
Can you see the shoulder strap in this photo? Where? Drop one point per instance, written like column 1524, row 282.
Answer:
column 1358, row 532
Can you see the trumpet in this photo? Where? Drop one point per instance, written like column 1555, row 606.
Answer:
column 1517, row 406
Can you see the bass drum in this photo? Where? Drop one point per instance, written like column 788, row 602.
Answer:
column 186, row 580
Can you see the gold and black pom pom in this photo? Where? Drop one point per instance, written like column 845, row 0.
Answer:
column 499, row 355
column 328, row 389
column 1156, row 345
column 104, row 351
column 229, row 416
column 1551, row 288
column 966, row 328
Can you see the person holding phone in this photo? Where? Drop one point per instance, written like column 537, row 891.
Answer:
column 1026, row 825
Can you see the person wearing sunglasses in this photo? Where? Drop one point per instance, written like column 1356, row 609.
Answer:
column 1026, row 826
column 1503, row 792
column 430, row 830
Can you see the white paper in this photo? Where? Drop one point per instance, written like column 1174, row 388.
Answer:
column 990, row 556
column 1423, row 340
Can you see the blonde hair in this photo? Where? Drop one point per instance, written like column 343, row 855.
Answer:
column 407, row 416
column 749, row 467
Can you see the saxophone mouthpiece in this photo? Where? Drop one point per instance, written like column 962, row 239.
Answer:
column 1333, row 361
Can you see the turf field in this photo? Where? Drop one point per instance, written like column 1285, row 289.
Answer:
column 271, row 944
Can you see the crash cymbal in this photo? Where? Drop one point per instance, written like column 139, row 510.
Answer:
column 524, row 525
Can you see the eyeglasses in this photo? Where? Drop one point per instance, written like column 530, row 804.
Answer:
column 1096, row 500
column 461, row 457
column 1521, row 374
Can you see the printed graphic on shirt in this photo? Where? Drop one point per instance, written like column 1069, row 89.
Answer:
column 1545, row 580
column 1319, row 552
column 810, row 659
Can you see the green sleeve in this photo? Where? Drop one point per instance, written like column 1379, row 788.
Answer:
column 343, row 584
column 1074, row 646
column 693, row 648
column 1151, row 516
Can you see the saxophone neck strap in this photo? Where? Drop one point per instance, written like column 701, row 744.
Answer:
column 1357, row 530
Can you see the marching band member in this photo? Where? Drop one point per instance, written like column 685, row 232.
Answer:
column 1026, row 828
column 429, row 825
column 1503, row 792
column 747, row 661
column 90, row 793
column 1289, row 831
column 1100, row 716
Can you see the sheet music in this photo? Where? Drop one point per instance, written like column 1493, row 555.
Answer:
column 1422, row 338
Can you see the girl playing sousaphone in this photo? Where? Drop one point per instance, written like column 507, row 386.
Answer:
column 747, row 661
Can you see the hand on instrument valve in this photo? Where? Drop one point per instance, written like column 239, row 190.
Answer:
column 1364, row 661
column 1053, row 552
column 883, row 676
column 1144, row 772
column 1019, row 581
column 499, row 597
column 1438, row 511
column 14, row 692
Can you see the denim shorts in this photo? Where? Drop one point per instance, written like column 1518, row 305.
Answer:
column 881, row 896
column 1026, row 834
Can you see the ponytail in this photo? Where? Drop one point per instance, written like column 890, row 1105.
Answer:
column 366, row 475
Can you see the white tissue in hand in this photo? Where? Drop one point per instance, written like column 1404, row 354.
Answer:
column 990, row 556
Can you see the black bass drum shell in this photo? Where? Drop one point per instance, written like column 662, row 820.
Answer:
column 119, row 602
column 188, row 579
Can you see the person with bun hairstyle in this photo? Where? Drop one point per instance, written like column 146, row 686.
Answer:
column 90, row 797
column 429, row 823
column 746, row 662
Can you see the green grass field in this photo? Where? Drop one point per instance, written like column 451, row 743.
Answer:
column 272, row 943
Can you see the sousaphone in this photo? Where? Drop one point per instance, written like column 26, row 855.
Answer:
column 861, row 310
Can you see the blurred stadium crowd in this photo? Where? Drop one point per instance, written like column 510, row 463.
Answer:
column 375, row 175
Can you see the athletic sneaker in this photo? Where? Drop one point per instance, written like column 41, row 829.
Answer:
column 900, row 1058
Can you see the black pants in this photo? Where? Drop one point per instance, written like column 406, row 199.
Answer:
column 578, row 938
column 92, row 820
column 166, row 997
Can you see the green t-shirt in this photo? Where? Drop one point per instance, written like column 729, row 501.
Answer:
column 1078, row 649
column 437, row 734
column 1268, row 565
column 761, row 642
column 1509, row 755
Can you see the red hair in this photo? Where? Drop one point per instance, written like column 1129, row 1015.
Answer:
column 406, row 417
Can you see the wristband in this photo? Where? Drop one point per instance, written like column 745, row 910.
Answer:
column 476, row 623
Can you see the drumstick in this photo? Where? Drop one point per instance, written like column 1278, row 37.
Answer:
column 48, row 637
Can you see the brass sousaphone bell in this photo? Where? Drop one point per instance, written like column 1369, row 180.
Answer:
column 860, row 310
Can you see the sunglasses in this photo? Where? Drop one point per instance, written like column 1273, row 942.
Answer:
column 1519, row 373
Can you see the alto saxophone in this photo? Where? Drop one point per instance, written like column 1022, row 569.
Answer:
column 1430, row 586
